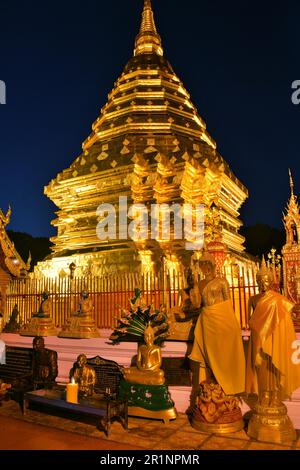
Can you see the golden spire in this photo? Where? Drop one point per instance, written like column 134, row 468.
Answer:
column 148, row 40
column 291, row 183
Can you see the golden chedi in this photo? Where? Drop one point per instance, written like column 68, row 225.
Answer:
column 271, row 373
column 82, row 324
column 149, row 144
column 217, row 358
column 144, row 384
column 41, row 323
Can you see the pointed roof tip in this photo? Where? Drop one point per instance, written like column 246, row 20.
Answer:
column 148, row 40
column 291, row 182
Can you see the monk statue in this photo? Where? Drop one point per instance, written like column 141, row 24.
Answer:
column 148, row 370
column 217, row 355
column 271, row 373
column 85, row 307
column 44, row 364
column 45, row 307
column 84, row 375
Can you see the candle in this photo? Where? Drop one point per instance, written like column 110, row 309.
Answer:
column 72, row 392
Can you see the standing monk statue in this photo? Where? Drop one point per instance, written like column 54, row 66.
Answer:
column 218, row 354
column 271, row 372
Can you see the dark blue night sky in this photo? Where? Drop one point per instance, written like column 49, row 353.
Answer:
column 60, row 59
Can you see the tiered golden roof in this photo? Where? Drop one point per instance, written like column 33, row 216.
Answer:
column 148, row 144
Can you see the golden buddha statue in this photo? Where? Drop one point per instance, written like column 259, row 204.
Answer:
column 41, row 323
column 271, row 373
column 81, row 324
column 148, row 370
column 45, row 309
column 86, row 306
column 217, row 354
column 84, row 375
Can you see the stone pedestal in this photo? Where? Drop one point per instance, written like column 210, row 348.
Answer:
column 39, row 326
column 271, row 424
column 80, row 327
column 148, row 401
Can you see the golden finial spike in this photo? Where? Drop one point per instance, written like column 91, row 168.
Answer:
column 148, row 23
column 291, row 182
column 148, row 40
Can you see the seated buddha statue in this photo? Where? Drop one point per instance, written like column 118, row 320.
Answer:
column 45, row 307
column 148, row 370
column 85, row 307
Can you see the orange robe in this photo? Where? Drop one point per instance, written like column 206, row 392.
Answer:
column 269, row 362
column 218, row 346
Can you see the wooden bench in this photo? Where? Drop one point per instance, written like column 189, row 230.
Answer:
column 105, row 406
column 18, row 364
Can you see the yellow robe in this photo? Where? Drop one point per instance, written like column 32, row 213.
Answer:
column 218, row 345
column 270, row 349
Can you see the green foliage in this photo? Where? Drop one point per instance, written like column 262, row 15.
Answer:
column 39, row 247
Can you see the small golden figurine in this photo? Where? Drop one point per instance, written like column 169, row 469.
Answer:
column 271, row 373
column 84, row 375
column 149, row 360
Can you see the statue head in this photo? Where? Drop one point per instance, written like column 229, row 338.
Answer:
column 38, row 343
column 149, row 335
column 264, row 277
column 207, row 264
column 85, row 294
column 82, row 360
column 45, row 295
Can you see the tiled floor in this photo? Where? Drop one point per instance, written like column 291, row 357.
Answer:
column 39, row 430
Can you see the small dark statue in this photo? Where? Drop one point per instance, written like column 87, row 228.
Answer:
column 44, row 365
column 13, row 326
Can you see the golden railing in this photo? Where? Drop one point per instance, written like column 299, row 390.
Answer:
column 111, row 292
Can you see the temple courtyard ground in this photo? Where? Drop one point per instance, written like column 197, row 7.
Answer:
column 42, row 431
